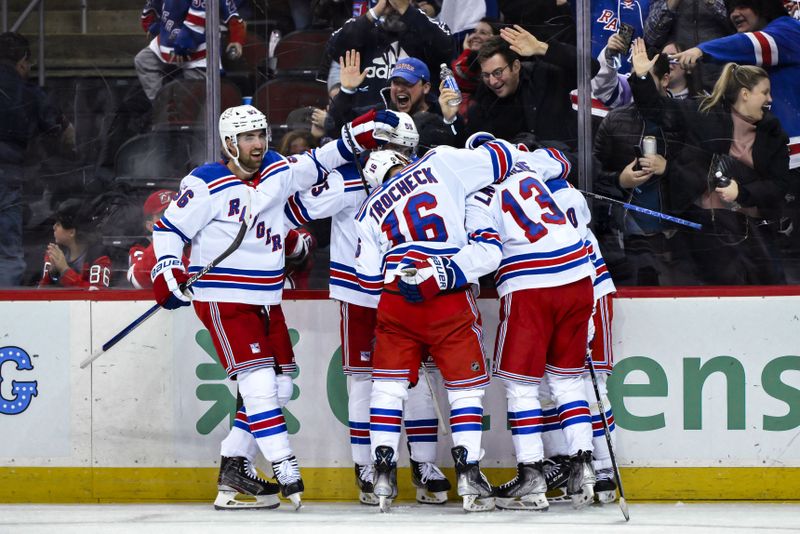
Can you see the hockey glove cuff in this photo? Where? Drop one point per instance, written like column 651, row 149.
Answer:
column 168, row 276
column 425, row 279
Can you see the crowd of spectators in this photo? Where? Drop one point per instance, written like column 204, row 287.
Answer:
column 680, row 122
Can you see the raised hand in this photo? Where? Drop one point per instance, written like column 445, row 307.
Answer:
column 522, row 42
column 641, row 63
column 351, row 76
column 616, row 43
column 445, row 96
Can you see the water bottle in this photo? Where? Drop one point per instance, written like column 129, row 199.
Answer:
column 450, row 82
column 274, row 38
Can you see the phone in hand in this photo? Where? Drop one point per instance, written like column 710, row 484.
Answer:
column 637, row 150
column 625, row 31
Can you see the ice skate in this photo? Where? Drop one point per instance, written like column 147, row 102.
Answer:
column 556, row 474
column 580, row 486
column 472, row 485
column 386, row 477
column 526, row 491
column 287, row 472
column 605, row 488
column 432, row 486
column 365, row 475
column 240, row 488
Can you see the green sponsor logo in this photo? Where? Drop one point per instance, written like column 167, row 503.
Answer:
column 696, row 373
column 219, row 394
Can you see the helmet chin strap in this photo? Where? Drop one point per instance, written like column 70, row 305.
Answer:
column 235, row 160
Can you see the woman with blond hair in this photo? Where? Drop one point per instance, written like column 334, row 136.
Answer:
column 731, row 175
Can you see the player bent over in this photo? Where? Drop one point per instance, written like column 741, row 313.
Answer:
column 413, row 246
column 340, row 198
column 574, row 204
column 545, row 287
column 248, row 187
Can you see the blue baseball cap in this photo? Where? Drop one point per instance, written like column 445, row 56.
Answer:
column 411, row 70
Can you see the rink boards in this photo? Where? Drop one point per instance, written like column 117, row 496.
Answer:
column 706, row 395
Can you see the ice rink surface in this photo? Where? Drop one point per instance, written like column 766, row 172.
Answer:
column 318, row 517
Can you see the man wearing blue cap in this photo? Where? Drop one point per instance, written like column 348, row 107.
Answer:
column 409, row 91
column 410, row 83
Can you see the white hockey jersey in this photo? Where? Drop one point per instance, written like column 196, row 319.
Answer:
column 339, row 197
column 420, row 213
column 577, row 211
column 211, row 205
column 540, row 247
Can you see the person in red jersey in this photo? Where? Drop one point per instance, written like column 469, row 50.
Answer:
column 75, row 259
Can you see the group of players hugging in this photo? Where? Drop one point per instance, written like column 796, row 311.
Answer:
column 410, row 237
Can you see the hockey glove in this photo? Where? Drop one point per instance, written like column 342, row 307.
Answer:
column 168, row 276
column 186, row 42
column 299, row 244
column 150, row 23
column 370, row 130
column 285, row 389
column 425, row 279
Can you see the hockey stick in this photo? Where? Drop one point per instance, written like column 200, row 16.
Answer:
column 653, row 213
column 359, row 168
column 435, row 399
column 186, row 285
column 623, row 505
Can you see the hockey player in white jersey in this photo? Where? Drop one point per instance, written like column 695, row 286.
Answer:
column 339, row 198
column 545, row 288
column 414, row 248
column 215, row 200
column 577, row 211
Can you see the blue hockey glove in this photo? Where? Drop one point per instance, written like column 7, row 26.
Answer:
column 425, row 279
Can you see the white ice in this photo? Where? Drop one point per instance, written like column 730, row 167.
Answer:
column 405, row 518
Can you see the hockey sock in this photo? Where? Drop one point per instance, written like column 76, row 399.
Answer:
column 359, row 390
column 466, row 420
column 260, row 393
column 573, row 411
column 420, row 421
column 553, row 440
column 525, row 420
column 602, row 457
column 386, row 414
column 239, row 442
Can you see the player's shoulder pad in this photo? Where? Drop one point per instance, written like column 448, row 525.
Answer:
column 210, row 172
column 557, row 184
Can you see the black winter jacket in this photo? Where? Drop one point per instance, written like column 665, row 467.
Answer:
column 709, row 133
column 423, row 38
column 544, row 102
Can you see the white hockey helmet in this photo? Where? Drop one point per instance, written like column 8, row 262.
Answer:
column 240, row 119
column 405, row 134
column 379, row 164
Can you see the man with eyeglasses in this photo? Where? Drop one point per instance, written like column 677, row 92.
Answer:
column 525, row 89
